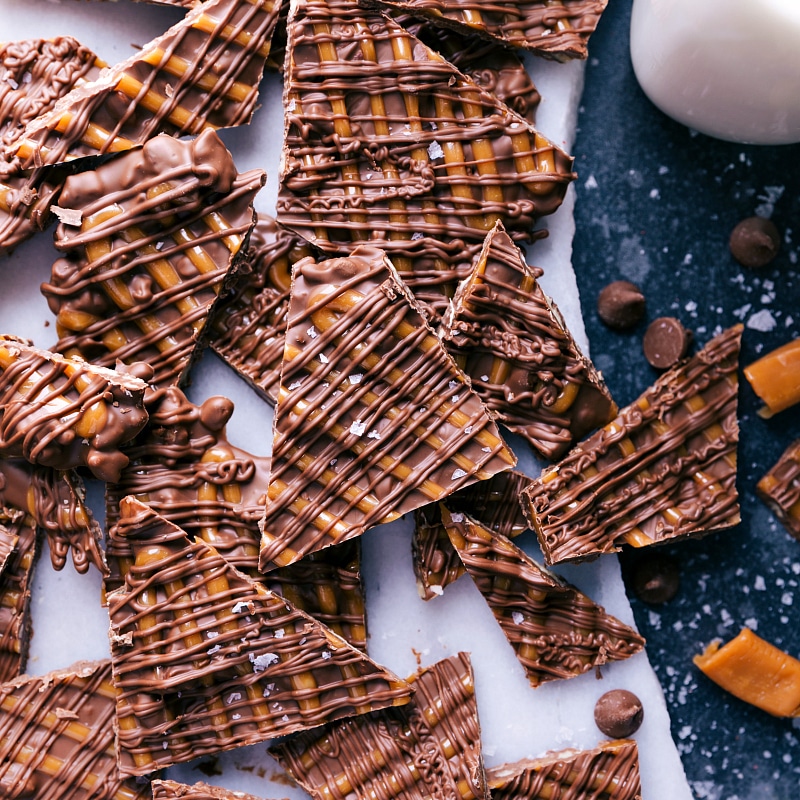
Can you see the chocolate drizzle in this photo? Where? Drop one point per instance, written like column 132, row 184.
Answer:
column 249, row 322
column 206, row 659
column 523, row 362
column 430, row 748
column 387, row 142
column 609, row 772
column 373, row 419
column 665, row 467
column 160, row 230
column 780, row 489
column 57, row 737
column 556, row 29
column 555, row 630
column 170, row 790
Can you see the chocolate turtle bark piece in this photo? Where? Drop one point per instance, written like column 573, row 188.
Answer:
column 55, row 501
column 58, row 737
column 428, row 748
column 402, row 150
column 780, row 489
column 64, row 413
column 374, row 419
column 203, row 73
column 171, row 790
column 556, row 631
column 249, row 322
column 608, row 772
column 558, row 29
column 34, row 75
column 155, row 234
column 513, row 343
column 8, row 543
column 664, row 468
column 205, row 659
column 493, row 502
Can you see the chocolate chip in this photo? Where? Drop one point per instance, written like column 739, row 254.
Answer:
column 620, row 305
column 618, row 713
column 666, row 342
column 755, row 242
column 655, row 578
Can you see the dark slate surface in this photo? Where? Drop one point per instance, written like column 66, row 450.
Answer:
column 656, row 204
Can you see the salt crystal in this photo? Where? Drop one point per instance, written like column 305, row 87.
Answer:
column 762, row 321
column 436, row 589
column 215, row 649
column 260, row 663
column 355, row 379
column 323, row 359
column 435, row 150
column 457, row 473
column 234, row 696
column 358, row 427
column 239, row 607
column 373, row 435
column 518, row 617
column 312, row 333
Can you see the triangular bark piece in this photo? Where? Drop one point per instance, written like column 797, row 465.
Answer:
column 513, row 343
column 557, row 29
column 58, row 737
column 402, row 150
column 374, row 419
column 203, row 73
column 609, row 772
column 780, row 489
column 206, row 659
column 155, row 234
column 555, row 630
column 664, row 468
column 428, row 748
column 171, row 790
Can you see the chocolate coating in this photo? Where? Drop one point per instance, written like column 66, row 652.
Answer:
column 171, row 790
column 241, row 667
column 780, row 489
column 162, row 228
column 665, row 342
column 664, row 468
column 755, row 242
column 619, row 713
column 620, row 305
column 428, row 748
column 655, row 578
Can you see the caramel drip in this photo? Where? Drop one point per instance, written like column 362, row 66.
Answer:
column 206, row 659
column 373, row 420
column 558, row 29
column 161, row 230
column 429, row 748
column 610, row 772
column 522, row 360
column 555, row 630
column 57, row 737
column 388, row 142
column 664, row 468
column 780, row 489
column 202, row 73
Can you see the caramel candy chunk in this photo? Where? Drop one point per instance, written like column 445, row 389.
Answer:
column 555, row 630
column 664, row 468
column 428, row 748
column 755, row 242
column 250, row 322
column 373, row 420
column 619, row 713
column 521, row 359
column 621, row 305
column 609, row 772
column 402, row 150
column 161, row 229
column 63, row 413
column 754, row 671
column 780, row 489
column 558, row 29
column 494, row 503
column 205, row 659
column 665, row 342
column 202, row 73
column 58, row 737
column 775, row 378
column 171, row 790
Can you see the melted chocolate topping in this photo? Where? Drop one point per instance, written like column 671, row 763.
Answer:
column 170, row 790
column 610, row 772
column 555, row 630
column 428, row 748
column 206, row 659
column 373, row 419
column 523, row 362
column 159, row 231
column 664, row 468
column 780, row 489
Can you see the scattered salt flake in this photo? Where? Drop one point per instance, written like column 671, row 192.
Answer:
column 436, row 589
column 280, row 633
column 323, row 359
column 762, row 321
column 759, row 584
column 453, row 385
column 355, row 379
column 435, row 150
column 787, row 598
column 358, row 427
column 454, row 398
column 484, row 377
column 333, row 462
column 312, row 333
column 591, row 183
column 292, row 105
column 457, row 473
column 215, row 649
column 260, row 663
column 741, row 312
column 655, row 620
column 212, row 634
column 234, row 697
column 691, row 306
column 752, row 623
column 416, row 236
column 69, row 216
column 457, row 517
column 373, row 435
column 240, row 606
column 663, row 170
column 285, row 718
column 685, row 732
column 687, row 259
column 326, row 654
column 468, row 430
column 295, row 385
column 236, row 716
column 12, row 83
column 655, row 194
column 518, row 617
